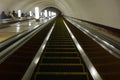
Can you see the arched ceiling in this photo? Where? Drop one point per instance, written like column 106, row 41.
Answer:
column 106, row 12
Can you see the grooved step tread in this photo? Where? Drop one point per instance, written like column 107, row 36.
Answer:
column 60, row 46
column 60, row 59
column 60, row 50
column 61, row 76
column 61, row 68
column 60, row 40
column 52, row 60
column 60, row 43
column 62, row 73
column 58, row 54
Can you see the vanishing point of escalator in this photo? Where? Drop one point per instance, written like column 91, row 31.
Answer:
column 16, row 65
column 60, row 59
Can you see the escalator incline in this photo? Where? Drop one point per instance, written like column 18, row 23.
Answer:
column 106, row 64
column 60, row 59
column 14, row 67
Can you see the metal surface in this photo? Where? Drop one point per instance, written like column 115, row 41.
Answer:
column 109, row 45
column 88, row 63
column 10, row 49
column 34, row 63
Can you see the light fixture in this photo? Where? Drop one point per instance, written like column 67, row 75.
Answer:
column 37, row 13
column 30, row 12
column 46, row 13
column 19, row 13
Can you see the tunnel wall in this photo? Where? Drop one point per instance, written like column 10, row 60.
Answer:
column 105, row 12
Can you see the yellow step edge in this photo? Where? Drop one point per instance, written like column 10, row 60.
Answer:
column 63, row 64
column 61, row 42
column 62, row 73
column 62, row 36
column 62, row 57
column 62, row 48
column 60, row 45
column 61, row 52
column 66, row 39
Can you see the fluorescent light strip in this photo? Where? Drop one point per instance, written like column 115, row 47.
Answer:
column 30, row 12
column 37, row 15
column 19, row 13
column 46, row 13
column 88, row 63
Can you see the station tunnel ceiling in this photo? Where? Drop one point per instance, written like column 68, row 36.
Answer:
column 106, row 12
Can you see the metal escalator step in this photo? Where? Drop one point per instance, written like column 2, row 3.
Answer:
column 60, row 37
column 60, row 54
column 61, row 68
column 60, row 50
column 60, row 43
column 61, row 57
column 61, row 76
column 55, row 60
column 61, row 46
column 60, row 40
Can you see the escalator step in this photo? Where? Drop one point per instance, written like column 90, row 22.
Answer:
column 62, row 57
column 60, row 60
column 60, row 40
column 60, row 43
column 59, row 54
column 55, row 60
column 60, row 37
column 61, row 68
column 60, row 76
column 60, row 46
column 60, row 50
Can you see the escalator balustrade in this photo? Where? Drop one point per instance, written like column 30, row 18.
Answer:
column 60, row 59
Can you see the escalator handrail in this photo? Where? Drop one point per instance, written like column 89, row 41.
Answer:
column 28, row 74
column 13, row 39
column 19, row 40
column 94, row 73
column 102, row 41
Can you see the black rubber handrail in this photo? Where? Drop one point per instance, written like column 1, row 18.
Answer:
column 9, row 46
column 112, row 46
column 8, row 42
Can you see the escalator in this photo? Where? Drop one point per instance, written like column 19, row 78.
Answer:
column 106, row 64
column 14, row 67
column 60, row 59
